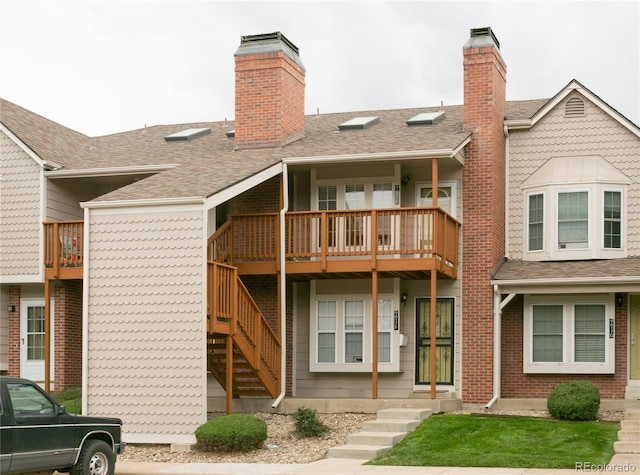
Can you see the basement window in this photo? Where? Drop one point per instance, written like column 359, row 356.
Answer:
column 359, row 123
column 188, row 134
column 426, row 118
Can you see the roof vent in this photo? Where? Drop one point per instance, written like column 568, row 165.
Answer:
column 426, row 118
column 574, row 107
column 231, row 133
column 187, row 134
column 359, row 123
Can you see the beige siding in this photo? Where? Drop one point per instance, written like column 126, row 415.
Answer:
column 358, row 385
column 63, row 203
column 19, row 213
column 556, row 135
column 146, row 325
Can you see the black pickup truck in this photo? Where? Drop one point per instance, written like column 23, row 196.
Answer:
column 38, row 435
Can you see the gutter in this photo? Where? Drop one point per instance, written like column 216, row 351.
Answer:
column 283, row 290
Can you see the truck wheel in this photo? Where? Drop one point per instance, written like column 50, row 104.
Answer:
column 96, row 458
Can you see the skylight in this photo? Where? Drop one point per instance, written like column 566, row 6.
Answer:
column 426, row 118
column 187, row 134
column 359, row 123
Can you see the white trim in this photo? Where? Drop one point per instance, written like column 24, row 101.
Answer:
column 203, row 320
column 86, row 282
column 105, row 172
column 142, row 206
column 373, row 157
column 232, row 191
column 23, row 279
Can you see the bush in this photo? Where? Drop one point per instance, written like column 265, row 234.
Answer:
column 307, row 425
column 577, row 401
column 235, row 432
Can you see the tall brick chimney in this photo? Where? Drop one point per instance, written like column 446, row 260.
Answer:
column 483, row 201
column 269, row 92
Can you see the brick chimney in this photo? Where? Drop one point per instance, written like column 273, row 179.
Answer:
column 269, row 92
column 483, row 201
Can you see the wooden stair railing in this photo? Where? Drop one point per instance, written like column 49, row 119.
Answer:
column 242, row 348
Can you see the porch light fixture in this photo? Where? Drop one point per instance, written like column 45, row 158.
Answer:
column 618, row 300
column 11, row 308
column 405, row 181
column 403, row 298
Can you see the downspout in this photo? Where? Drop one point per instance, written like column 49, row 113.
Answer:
column 498, row 306
column 283, row 289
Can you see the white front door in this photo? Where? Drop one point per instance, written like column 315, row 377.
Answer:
column 32, row 339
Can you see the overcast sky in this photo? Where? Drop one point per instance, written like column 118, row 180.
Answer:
column 111, row 66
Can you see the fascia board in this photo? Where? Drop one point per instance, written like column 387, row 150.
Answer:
column 372, row 157
column 189, row 200
column 27, row 150
column 108, row 171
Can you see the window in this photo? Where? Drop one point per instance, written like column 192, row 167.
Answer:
column 612, row 220
column 35, row 333
column 341, row 328
column 569, row 334
column 328, row 201
column 326, row 329
column 383, row 198
column 353, row 331
column 536, row 221
column 354, row 226
column 573, row 220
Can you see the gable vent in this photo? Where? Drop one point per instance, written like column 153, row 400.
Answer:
column 574, row 107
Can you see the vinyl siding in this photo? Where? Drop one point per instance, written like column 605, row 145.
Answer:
column 63, row 203
column 146, row 345
column 556, row 135
column 19, row 213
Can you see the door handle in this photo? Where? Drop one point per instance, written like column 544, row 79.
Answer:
column 633, row 339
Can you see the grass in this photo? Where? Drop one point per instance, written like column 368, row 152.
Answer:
column 71, row 399
column 471, row 441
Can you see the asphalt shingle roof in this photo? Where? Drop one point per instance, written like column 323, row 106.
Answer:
column 554, row 270
column 210, row 163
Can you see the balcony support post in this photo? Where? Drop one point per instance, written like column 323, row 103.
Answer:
column 432, row 330
column 374, row 336
column 229, row 376
column 47, row 335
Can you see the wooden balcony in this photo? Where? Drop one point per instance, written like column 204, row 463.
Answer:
column 403, row 242
column 63, row 249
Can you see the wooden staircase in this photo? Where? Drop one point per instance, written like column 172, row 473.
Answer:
column 243, row 352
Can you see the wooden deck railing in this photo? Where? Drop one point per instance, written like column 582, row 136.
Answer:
column 232, row 311
column 63, row 245
column 322, row 235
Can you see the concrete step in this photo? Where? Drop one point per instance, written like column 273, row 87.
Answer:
column 629, row 435
column 632, row 414
column 349, row 451
column 626, row 447
column 390, row 425
column 409, row 414
column 630, row 424
column 375, row 438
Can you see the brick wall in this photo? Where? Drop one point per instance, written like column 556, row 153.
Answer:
column 68, row 334
column 483, row 214
column 14, row 332
column 264, row 198
column 269, row 99
column 516, row 384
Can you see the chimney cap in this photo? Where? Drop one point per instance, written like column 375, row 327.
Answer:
column 479, row 37
column 263, row 43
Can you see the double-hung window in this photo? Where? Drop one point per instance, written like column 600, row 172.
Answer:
column 612, row 216
column 569, row 335
column 573, row 220
column 536, row 222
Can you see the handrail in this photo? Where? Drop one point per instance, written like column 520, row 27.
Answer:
column 322, row 235
column 232, row 311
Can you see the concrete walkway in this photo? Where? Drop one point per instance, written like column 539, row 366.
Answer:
column 626, row 460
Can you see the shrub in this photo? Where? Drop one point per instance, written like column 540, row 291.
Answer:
column 71, row 399
column 307, row 424
column 235, row 432
column 578, row 401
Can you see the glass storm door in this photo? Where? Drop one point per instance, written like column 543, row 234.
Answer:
column 32, row 338
column 444, row 341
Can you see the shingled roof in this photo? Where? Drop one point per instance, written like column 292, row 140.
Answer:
column 211, row 163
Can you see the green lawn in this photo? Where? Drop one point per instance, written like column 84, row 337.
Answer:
column 473, row 441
